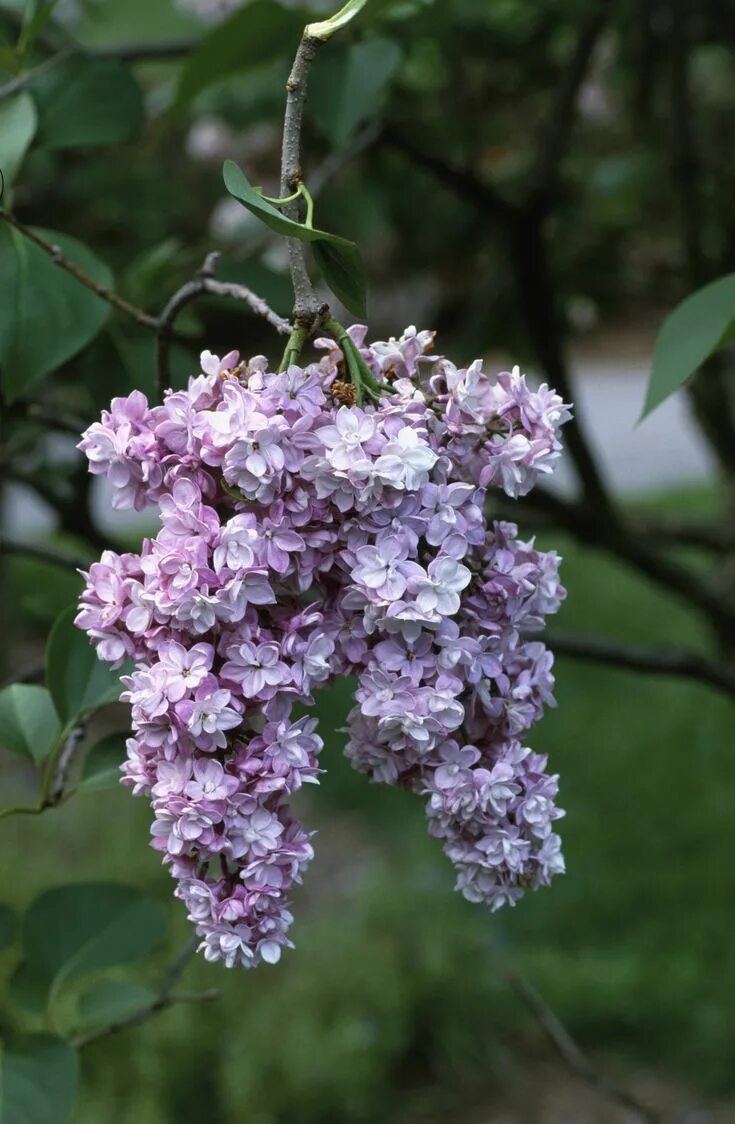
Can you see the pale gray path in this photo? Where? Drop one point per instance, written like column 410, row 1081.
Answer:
column 665, row 450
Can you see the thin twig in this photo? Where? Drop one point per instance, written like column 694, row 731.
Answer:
column 166, row 997
column 677, row 662
column 699, row 534
column 71, row 267
column 15, row 85
column 126, row 52
column 461, row 180
column 682, row 532
column 610, row 532
column 306, row 303
column 56, row 788
column 55, row 781
column 44, row 554
column 144, row 52
column 160, row 1004
column 334, row 162
column 55, row 417
column 567, row 1048
column 204, row 284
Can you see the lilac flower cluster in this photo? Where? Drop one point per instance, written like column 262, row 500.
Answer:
column 302, row 538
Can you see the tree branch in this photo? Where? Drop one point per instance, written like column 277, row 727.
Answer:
column 656, row 661
column 554, row 136
column 204, row 284
column 15, row 85
column 523, row 227
column 567, row 1048
column 306, row 303
column 58, row 778
column 462, row 181
column 43, row 554
column 610, row 532
column 166, row 997
column 529, row 260
column 126, row 52
column 144, row 52
column 55, row 417
column 684, row 532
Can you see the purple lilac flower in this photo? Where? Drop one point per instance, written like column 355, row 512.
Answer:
column 269, row 490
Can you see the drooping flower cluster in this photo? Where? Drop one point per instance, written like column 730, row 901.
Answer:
column 305, row 538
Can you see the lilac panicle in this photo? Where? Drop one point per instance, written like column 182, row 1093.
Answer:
column 301, row 540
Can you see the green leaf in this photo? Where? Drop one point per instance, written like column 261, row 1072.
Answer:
column 8, row 925
column 342, row 269
column 240, row 187
column 77, row 680
column 46, row 315
column 696, row 328
column 17, row 128
column 254, row 34
column 86, row 102
column 29, row 989
column 108, row 1001
column 102, row 765
column 340, row 263
column 38, row 1080
column 350, row 85
column 72, row 930
column 28, row 722
column 325, row 29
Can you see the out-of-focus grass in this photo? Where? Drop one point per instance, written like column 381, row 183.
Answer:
column 392, row 989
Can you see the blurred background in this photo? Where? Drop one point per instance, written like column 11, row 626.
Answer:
column 541, row 183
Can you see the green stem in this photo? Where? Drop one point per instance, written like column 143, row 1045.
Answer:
column 32, row 810
column 296, row 341
column 309, row 220
column 280, row 202
column 360, row 374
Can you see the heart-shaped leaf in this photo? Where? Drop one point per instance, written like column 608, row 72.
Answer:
column 17, row 127
column 85, row 102
column 256, row 33
column 77, row 680
column 361, row 73
column 38, row 1080
column 690, row 334
column 46, row 315
column 338, row 258
column 72, row 930
column 28, row 722
column 342, row 269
